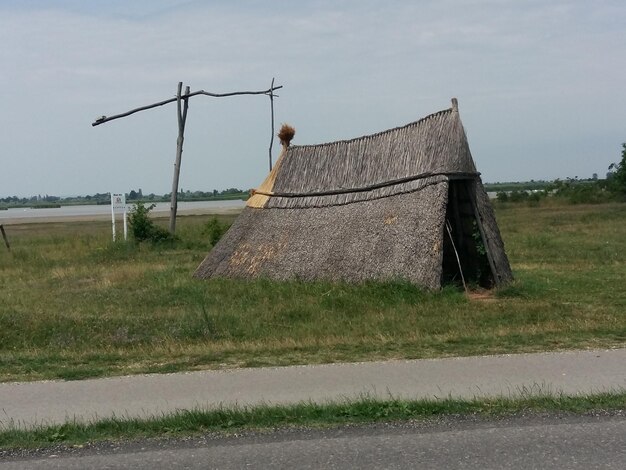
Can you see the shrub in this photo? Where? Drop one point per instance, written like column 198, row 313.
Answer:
column 577, row 192
column 534, row 198
column 618, row 179
column 518, row 196
column 142, row 228
column 215, row 230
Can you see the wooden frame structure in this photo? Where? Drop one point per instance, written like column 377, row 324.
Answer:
column 182, row 106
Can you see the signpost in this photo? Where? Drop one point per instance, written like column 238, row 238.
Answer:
column 118, row 204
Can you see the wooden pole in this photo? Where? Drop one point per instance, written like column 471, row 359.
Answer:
column 181, row 111
column 4, row 235
column 272, row 110
column 182, row 105
column 103, row 119
column 456, row 253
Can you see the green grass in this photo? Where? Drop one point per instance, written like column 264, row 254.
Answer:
column 366, row 410
column 74, row 305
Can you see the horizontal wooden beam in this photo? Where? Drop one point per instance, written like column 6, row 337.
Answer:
column 103, row 119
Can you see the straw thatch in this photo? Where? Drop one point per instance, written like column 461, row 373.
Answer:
column 374, row 207
column 285, row 134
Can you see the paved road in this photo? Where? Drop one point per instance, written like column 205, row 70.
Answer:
column 29, row 404
column 518, row 443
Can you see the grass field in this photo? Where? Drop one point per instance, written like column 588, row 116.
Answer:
column 74, row 305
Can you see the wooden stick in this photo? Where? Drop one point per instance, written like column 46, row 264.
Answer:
column 181, row 111
column 458, row 260
column 272, row 110
column 182, row 105
column 103, row 119
column 4, row 235
column 234, row 93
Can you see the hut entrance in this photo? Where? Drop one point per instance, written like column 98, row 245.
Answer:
column 464, row 250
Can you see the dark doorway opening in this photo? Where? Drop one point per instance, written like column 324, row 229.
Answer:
column 464, row 250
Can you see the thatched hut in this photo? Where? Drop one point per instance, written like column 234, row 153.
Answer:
column 406, row 203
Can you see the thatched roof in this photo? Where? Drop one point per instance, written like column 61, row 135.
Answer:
column 368, row 208
column 379, row 165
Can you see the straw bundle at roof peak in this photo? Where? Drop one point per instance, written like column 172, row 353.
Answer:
column 285, row 134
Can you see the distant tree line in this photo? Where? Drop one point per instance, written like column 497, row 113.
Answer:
column 572, row 190
column 230, row 193
column 132, row 196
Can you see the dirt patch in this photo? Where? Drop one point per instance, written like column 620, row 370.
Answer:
column 481, row 295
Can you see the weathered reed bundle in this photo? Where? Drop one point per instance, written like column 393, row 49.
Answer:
column 374, row 207
column 285, row 134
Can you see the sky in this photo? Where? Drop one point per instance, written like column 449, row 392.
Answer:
column 541, row 85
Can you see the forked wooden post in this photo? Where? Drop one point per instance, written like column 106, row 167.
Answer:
column 181, row 111
column 272, row 112
column 182, row 104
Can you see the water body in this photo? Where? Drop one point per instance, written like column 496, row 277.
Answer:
column 99, row 211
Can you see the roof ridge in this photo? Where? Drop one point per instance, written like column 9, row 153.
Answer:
column 371, row 187
column 367, row 136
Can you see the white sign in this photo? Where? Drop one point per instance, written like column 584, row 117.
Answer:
column 118, row 202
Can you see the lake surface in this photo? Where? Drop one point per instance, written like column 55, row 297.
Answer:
column 100, row 211
column 161, row 208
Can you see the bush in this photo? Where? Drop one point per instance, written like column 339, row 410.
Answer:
column 618, row 180
column 577, row 192
column 142, row 228
column 502, row 196
column 518, row 196
column 532, row 198
column 215, row 230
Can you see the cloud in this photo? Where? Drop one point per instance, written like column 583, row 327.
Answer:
column 530, row 75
